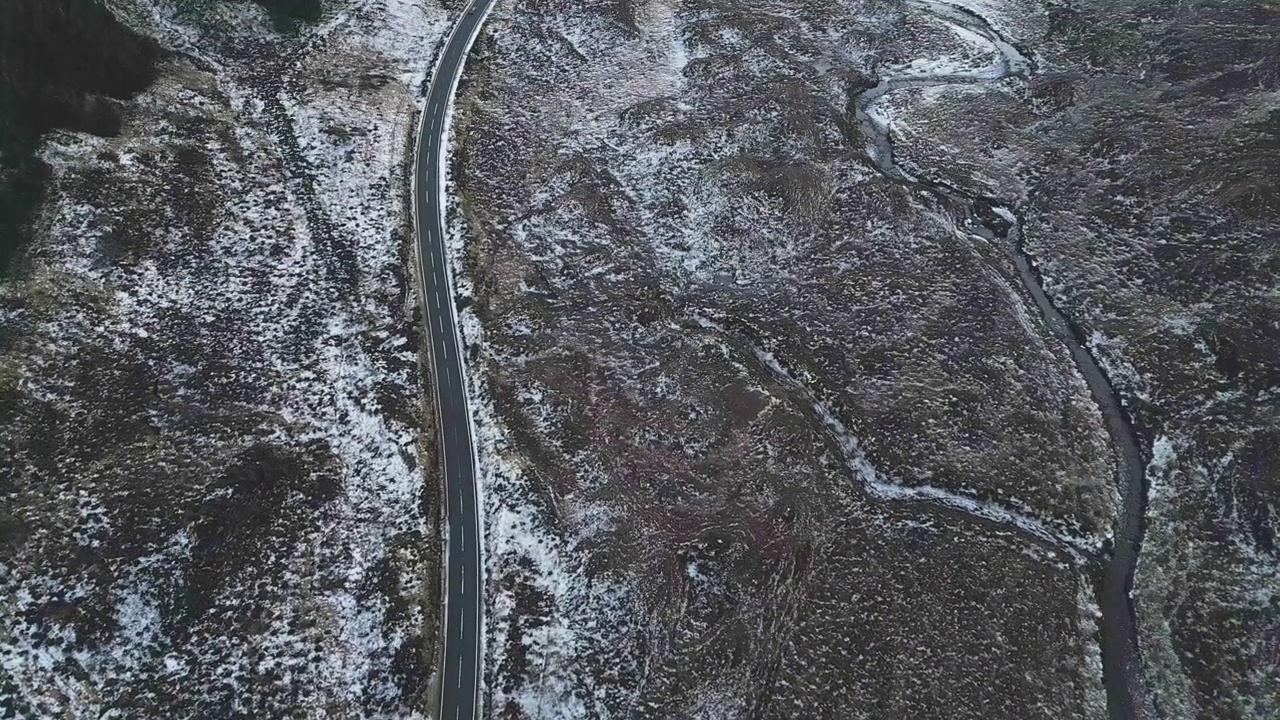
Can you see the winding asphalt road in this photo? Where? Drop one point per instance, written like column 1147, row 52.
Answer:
column 462, row 650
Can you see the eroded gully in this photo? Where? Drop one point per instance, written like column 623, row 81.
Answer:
column 999, row 222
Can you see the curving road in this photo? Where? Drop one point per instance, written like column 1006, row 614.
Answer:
column 462, row 650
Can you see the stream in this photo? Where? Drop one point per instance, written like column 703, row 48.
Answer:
column 996, row 222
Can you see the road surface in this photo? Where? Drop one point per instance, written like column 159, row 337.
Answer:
column 462, row 653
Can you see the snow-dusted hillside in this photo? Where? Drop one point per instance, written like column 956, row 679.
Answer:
column 216, row 484
column 765, row 431
column 796, row 448
column 797, row 442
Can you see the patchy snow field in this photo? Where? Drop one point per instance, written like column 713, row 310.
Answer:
column 212, row 405
column 779, row 439
column 762, row 432
column 773, row 441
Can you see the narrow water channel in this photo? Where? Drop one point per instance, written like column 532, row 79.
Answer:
column 997, row 222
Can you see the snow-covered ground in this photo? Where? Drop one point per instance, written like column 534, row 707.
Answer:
column 220, row 470
column 761, row 433
column 683, row 268
column 733, row 383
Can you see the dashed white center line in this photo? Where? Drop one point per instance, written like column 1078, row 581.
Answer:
column 438, row 102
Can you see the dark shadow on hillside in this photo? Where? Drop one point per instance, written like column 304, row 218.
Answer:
column 62, row 64
column 286, row 14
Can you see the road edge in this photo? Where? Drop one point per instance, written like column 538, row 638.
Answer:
column 443, row 200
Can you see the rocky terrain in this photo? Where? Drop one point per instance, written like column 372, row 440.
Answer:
column 801, row 441
column 772, row 420
column 1157, row 216
column 214, row 486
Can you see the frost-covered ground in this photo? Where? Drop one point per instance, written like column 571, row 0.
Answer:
column 1157, row 216
column 1146, row 162
column 212, row 465
column 763, row 432
column 797, row 445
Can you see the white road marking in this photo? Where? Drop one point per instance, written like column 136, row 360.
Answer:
column 434, row 139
